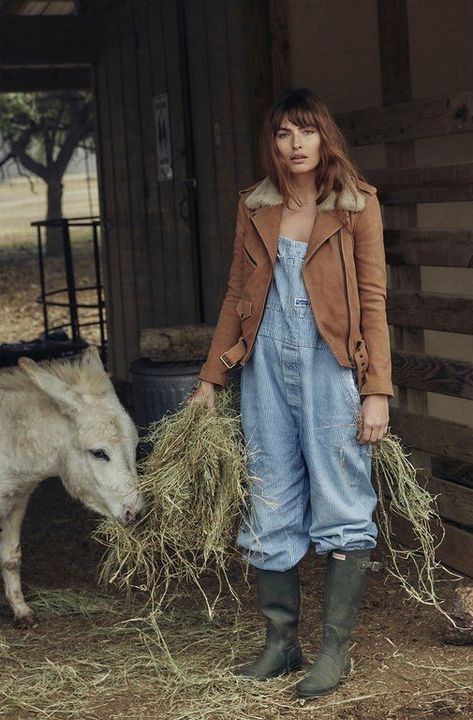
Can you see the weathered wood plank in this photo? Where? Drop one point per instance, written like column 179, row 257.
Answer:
column 47, row 40
column 454, row 502
column 447, row 183
column 224, row 121
column 178, row 343
column 133, row 148
column 182, row 295
column 259, row 55
column 213, row 258
column 108, row 204
column 153, row 80
column 456, row 550
column 414, row 246
column 455, row 471
column 433, row 373
column 425, row 117
column 431, row 311
column 154, row 270
column 393, row 31
column 121, row 221
column 45, row 79
column 241, row 99
column 280, row 46
column 433, row 435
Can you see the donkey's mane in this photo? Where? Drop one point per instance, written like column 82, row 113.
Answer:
column 84, row 378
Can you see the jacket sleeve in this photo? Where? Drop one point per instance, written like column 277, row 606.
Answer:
column 228, row 327
column 370, row 264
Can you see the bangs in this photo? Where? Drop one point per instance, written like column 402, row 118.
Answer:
column 296, row 114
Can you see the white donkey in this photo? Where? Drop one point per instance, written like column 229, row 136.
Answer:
column 61, row 418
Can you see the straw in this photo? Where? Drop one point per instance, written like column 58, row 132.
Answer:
column 195, row 483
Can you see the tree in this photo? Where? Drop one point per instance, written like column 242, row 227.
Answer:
column 41, row 131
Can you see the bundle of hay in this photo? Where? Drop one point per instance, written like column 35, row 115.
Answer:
column 194, row 482
column 397, row 478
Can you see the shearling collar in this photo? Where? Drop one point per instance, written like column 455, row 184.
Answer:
column 266, row 193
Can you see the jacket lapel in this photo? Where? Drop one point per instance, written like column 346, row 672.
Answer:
column 267, row 220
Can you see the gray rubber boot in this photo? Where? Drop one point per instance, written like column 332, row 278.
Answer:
column 344, row 585
column 279, row 599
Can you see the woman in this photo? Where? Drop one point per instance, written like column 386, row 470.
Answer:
column 305, row 316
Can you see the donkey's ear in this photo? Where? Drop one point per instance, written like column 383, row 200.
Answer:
column 91, row 357
column 64, row 396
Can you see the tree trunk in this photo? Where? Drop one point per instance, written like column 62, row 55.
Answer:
column 54, row 244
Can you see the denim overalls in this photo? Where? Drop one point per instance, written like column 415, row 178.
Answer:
column 298, row 415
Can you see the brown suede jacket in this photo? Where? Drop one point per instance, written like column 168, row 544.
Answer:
column 344, row 272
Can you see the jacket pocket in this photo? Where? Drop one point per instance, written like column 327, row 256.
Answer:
column 248, row 256
column 243, row 308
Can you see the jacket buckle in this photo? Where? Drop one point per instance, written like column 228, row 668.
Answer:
column 229, row 367
column 234, row 354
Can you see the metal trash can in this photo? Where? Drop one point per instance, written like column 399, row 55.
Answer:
column 159, row 387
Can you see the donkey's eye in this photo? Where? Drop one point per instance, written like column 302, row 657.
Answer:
column 100, row 454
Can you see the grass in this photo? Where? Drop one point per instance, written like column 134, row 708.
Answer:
column 21, row 204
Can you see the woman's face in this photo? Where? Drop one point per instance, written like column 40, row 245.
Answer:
column 299, row 147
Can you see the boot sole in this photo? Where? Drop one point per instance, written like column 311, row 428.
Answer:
column 278, row 673
column 308, row 696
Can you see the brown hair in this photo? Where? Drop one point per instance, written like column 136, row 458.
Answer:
column 335, row 170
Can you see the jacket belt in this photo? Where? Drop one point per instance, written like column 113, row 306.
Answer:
column 231, row 356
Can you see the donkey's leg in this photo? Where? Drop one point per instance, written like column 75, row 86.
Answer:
column 10, row 562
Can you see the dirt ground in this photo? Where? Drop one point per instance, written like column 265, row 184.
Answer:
column 403, row 669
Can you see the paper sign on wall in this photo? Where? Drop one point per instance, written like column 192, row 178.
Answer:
column 163, row 136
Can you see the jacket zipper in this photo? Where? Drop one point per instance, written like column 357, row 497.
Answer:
column 345, row 287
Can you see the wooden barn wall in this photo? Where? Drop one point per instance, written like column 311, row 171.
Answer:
column 158, row 269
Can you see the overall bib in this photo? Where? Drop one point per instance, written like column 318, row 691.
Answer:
column 298, row 415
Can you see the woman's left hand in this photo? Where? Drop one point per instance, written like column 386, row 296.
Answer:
column 375, row 416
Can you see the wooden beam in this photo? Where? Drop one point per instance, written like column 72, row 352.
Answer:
column 414, row 246
column 456, row 550
column 448, row 183
column 430, row 434
column 433, row 374
column 38, row 7
column 454, row 502
column 47, row 40
column 426, row 117
column 430, row 311
column 52, row 78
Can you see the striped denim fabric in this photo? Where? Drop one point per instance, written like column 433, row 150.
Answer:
column 312, row 477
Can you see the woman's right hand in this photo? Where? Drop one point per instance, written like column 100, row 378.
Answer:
column 204, row 394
